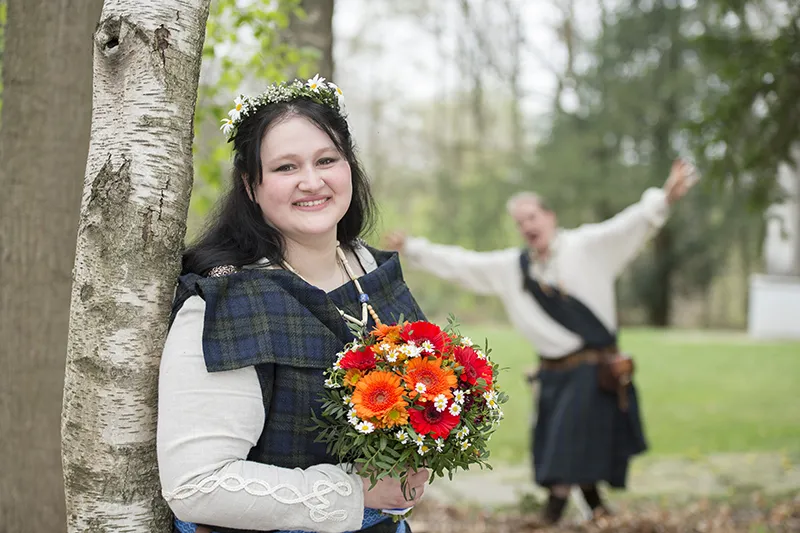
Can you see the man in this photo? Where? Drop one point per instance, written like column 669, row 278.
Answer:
column 559, row 293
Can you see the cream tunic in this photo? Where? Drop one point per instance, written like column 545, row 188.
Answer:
column 207, row 424
column 584, row 262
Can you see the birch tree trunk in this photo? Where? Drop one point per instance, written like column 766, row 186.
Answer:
column 47, row 74
column 133, row 220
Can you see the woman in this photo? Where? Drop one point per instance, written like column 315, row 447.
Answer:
column 267, row 297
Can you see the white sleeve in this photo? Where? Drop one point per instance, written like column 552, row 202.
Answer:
column 207, row 424
column 616, row 241
column 480, row 272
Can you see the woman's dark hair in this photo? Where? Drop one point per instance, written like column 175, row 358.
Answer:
column 237, row 233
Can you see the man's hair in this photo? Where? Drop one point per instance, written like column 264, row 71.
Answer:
column 526, row 196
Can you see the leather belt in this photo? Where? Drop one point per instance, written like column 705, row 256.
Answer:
column 590, row 356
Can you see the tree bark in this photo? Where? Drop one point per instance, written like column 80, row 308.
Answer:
column 45, row 134
column 660, row 307
column 315, row 31
column 130, row 236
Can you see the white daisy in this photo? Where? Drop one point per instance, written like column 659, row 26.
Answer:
column 338, row 91
column 428, row 347
column 414, row 350
column 420, row 388
column 481, row 355
column 423, row 449
column 462, row 433
column 466, row 341
column 419, row 440
column 346, row 400
column 458, row 396
column 439, row 444
column 440, row 402
column 455, row 409
column 227, row 126
column 238, row 109
column 490, row 395
column 464, row 445
column 315, row 83
column 410, row 350
column 339, row 357
column 391, row 356
column 492, row 404
column 365, row 427
column 385, row 348
column 329, row 383
column 402, row 436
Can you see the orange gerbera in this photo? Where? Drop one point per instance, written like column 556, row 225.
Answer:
column 380, row 395
column 352, row 377
column 434, row 379
column 386, row 333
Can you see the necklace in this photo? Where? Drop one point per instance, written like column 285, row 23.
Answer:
column 366, row 309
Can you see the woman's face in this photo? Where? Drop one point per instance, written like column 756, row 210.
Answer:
column 306, row 187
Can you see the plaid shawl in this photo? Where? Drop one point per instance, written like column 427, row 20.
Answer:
column 290, row 331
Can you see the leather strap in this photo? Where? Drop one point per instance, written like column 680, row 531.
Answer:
column 587, row 356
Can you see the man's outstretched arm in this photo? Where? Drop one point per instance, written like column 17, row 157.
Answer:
column 479, row 272
column 616, row 241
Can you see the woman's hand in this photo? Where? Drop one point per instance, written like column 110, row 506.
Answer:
column 387, row 493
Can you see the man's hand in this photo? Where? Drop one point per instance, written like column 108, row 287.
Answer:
column 395, row 241
column 681, row 178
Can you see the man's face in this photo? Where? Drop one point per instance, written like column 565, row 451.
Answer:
column 536, row 225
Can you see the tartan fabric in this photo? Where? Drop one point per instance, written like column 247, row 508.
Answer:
column 581, row 436
column 567, row 310
column 290, row 331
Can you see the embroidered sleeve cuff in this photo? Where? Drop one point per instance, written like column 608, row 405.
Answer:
column 322, row 498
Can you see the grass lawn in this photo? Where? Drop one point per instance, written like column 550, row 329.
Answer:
column 701, row 392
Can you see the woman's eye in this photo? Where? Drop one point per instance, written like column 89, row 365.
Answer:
column 327, row 161
column 284, row 168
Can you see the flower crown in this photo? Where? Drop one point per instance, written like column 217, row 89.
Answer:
column 316, row 89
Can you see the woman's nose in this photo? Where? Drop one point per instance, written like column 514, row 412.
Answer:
column 312, row 180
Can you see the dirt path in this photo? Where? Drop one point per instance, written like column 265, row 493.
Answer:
column 715, row 475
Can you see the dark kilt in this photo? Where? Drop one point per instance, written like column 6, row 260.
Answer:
column 581, row 436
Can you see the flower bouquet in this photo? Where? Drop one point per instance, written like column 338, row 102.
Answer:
column 410, row 395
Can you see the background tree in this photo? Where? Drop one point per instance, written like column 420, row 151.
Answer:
column 43, row 140
column 311, row 30
column 749, row 123
column 147, row 58
column 615, row 142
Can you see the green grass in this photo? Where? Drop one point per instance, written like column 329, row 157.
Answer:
column 701, row 392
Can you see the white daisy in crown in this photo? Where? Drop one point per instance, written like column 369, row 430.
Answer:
column 317, row 89
column 338, row 91
column 238, row 108
column 316, row 83
column 227, row 126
